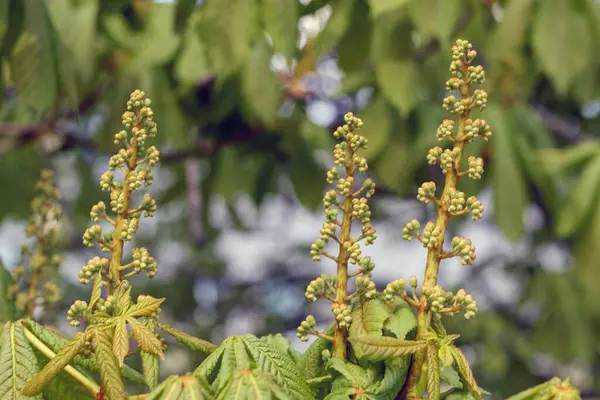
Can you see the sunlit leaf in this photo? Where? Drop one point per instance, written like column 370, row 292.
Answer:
column 190, row 341
column 377, row 348
column 18, row 364
column 109, row 366
column 151, row 368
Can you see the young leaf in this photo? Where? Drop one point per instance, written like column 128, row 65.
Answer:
column 192, row 342
column 377, row 348
column 356, row 376
column 18, row 362
column 145, row 306
column 151, row 368
column 56, row 342
column 250, row 385
column 63, row 386
column 37, row 383
column 402, row 321
column 394, row 377
column 451, row 377
column 433, row 373
column 96, row 291
column 120, row 343
column 145, row 337
column 109, row 366
column 281, row 23
column 310, row 363
column 283, row 344
column 368, row 317
column 581, row 200
column 465, row 370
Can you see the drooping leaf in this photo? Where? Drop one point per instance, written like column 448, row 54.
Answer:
column 394, row 377
column 433, row 373
column 261, row 88
column 183, row 10
column 120, row 342
column 63, row 358
column 581, row 200
column 63, row 386
column 151, row 368
column 192, row 65
column 567, row 158
column 281, row 23
column 509, row 192
column 465, row 371
column 56, row 342
column 8, row 310
column 145, row 337
column 368, row 317
column 380, row 7
column 32, row 62
column 18, row 363
column 354, row 47
column 451, row 377
column 144, row 307
column 109, row 365
column 399, row 82
column 556, row 26
column 192, row 342
column 377, row 348
column 509, row 34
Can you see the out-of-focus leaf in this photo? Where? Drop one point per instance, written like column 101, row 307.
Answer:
column 399, row 82
column 19, row 170
column 557, row 26
column 281, row 23
column 76, row 26
column 32, row 62
column 510, row 198
column 377, row 126
column 304, row 172
column 183, row 10
column 192, row 64
column 356, row 80
column 510, row 33
column 4, row 18
column 8, row 311
column 587, row 253
column 228, row 29
column 380, row 7
column 391, row 37
column 353, row 48
column 581, row 201
column 337, row 25
column 434, row 18
column 393, row 167
column 261, row 88
column 571, row 157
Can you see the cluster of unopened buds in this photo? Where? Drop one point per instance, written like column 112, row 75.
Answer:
column 308, row 326
column 463, row 248
column 364, row 283
column 342, row 314
column 94, row 266
column 77, row 311
column 442, row 302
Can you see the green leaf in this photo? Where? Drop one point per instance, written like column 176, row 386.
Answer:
column 581, row 200
column 354, row 47
column 433, row 373
column 77, row 28
column 396, row 370
column 56, row 342
column 109, row 366
column 377, row 348
column 381, row 7
column 445, row 355
column 183, row 10
column 145, row 337
column 4, row 18
column 302, row 169
column 96, row 291
column 283, row 344
column 151, row 368
column 510, row 198
column 250, row 385
column 567, row 158
column 32, row 62
column 368, row 317
column 337, row 25
column 401, row 321
column 509, row 35
column 63, row 358
column 446, row 19
column 120, row 343
column 356, row 80
column 377, row 121
column 227, row 30
column 8, row 310
column 238, row 352
column 556, row 27
column 18, row 363
column 464, row 369
column 459, row 395
column 192, row 64
column 261, row 88
column 311, row 362
column 399, row 81
column 451, row 377
column 63, row 386
column 281, row 23
column 192, row 342
column 356, row 376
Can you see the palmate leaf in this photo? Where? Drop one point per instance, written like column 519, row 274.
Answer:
column 377, row 348
column 243, row 352
column 250, row 385
column 63, row 358
column 145, row 338
column 192, row 342
column 310, row 363
column 120, row 343
column 394, row 377
column 17, row 362
column 151, row 368
column 109, row 365
column 56, row 342
column 368, row 318
column 63, row 386
column 187, row 387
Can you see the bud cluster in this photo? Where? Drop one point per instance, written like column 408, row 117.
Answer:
column 342, row 314
column 442, row 302
column 364, row 283
column 94, row 266
column 465, row 249
column 77, row 311
column 44, row 226
column 308, row 326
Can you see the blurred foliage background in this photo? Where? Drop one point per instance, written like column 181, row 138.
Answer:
column 246, row 94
